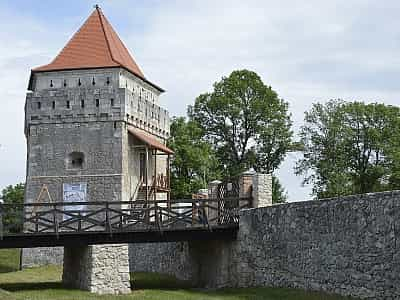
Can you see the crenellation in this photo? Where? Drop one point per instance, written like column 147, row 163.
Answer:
column 96, row 104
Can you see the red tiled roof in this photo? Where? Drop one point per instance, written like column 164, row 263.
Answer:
column 152, row 142
column 94, row 45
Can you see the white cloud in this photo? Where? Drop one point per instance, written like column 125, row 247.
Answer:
column 306, row 50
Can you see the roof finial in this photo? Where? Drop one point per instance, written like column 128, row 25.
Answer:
column 96, row 6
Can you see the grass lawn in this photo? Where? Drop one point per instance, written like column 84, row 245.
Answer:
column 9, row 260
column 44, row 283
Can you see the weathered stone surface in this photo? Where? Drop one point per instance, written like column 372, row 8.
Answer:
column 166, row 258
column 346, row 245
column 101, row 269
column 262, row 190
column 35, row 257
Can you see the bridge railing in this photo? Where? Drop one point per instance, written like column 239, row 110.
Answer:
column 100, row 216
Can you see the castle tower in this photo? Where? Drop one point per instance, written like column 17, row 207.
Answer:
column 93, row 124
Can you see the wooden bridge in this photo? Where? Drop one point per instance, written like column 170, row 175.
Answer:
column 86, row 223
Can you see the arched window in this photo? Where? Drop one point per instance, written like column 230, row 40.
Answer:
column 75, row 160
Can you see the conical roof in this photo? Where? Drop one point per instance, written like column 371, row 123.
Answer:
column 94, row 45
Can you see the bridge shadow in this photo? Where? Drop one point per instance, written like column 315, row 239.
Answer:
column 157, row 281
column 31, row 286
column 139, row 281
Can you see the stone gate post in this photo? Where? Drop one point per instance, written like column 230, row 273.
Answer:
column 262, row 190
column 101, row 269
column 258, row 186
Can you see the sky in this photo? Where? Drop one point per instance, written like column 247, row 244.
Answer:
column 308, row 51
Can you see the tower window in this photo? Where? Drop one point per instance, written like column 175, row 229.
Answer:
column 79, row 82
column 39, row 105
column 108, row 80
column 97, row 102
column 93, row 81
column 75, row 160
column 112, row 101
column 65, row 82
column 82, row 103
column 51, row 83
column 53, row 105
column 68, row 104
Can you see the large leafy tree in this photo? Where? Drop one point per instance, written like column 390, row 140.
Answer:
column 12, row 220
column 279, row 194
column 246, row 122
column 350, row 147
column 194, row 163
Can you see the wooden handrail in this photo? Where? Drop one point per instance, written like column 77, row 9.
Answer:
column 113, row 216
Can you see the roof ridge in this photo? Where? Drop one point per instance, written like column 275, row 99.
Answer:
column 111, row 34
column 105, row 35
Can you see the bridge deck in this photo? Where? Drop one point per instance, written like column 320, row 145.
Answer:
column 87, row 223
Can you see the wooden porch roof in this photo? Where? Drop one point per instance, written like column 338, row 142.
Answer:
column 148, row 140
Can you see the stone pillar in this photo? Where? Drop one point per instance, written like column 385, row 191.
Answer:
column 262, row 190
column 101, row 269
column 213, row 189
column 246, row 183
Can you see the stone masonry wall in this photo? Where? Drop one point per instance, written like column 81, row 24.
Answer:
column 164, row 258
column 348, row 246
column 35, row 257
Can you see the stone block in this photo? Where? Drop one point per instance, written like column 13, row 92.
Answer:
column 101, row 269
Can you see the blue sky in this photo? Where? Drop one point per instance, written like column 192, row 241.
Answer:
column 307, row 51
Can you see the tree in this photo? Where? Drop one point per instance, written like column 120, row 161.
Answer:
column 279, row 195
column 246, row 122
column 350, row 147
column 193, row 164
column 12, row 219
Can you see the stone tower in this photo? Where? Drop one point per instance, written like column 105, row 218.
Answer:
column 94, row 127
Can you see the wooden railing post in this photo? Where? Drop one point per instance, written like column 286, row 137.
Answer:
column 108, row 221
column 1, row 222
column 80, row 222
column 36, row 223
column 157, row 216
column 55, row 220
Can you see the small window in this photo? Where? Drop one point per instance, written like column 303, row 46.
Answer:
column 51, row 83
column 112, row 102
column 82, row 103
column 93, row 81
column 65, row 82
column 53, row 104
column 115, row 125
column 108, row 80
column 75, row 160
column 39, row 105
column 68, row 104
column 97, row 102
column 79, row 82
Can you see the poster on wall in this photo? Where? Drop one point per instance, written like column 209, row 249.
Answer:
column 74, row 192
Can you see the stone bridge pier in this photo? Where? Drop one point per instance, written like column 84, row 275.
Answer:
column 101, row 269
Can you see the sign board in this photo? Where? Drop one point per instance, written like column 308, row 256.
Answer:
column 74, row 192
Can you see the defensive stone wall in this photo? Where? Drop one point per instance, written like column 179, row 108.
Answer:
column 165, row 258
column 347, row 245
column 34, row 257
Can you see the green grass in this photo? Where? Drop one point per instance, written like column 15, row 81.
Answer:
column 44, row 283
column 9, row 260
